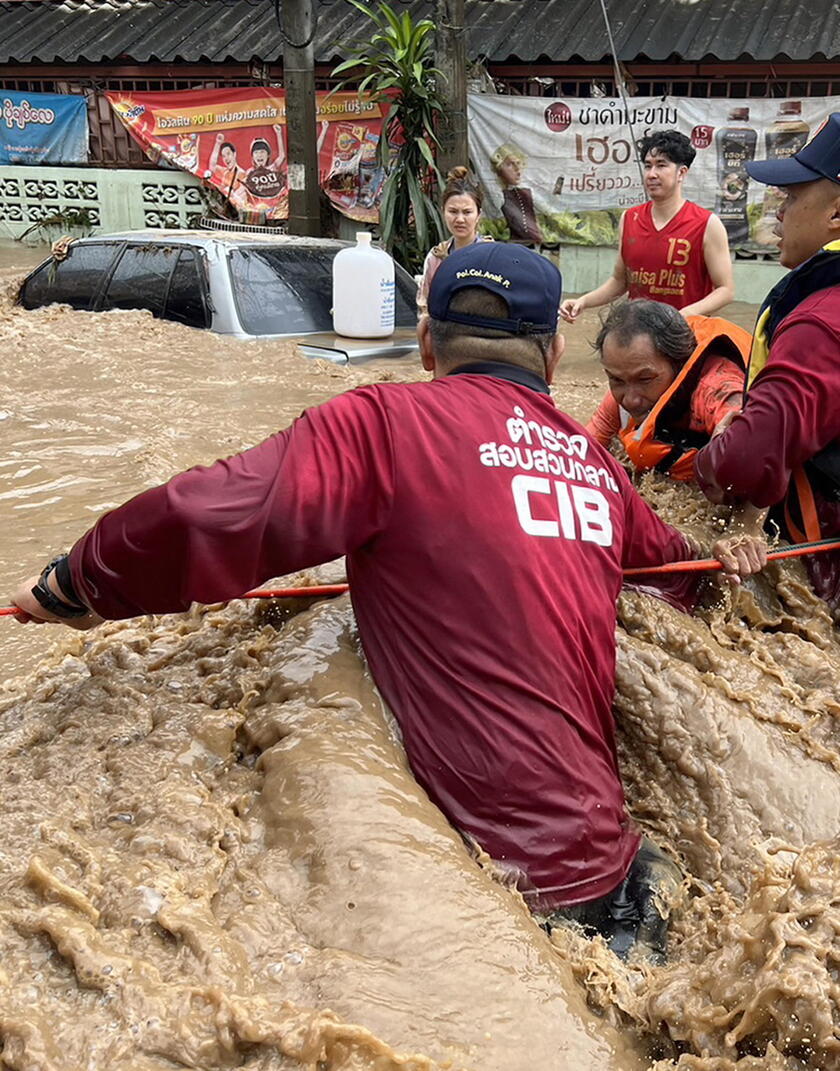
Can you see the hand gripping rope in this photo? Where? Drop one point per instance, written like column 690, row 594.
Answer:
column 701, row 565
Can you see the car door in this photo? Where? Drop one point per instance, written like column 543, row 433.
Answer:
column 76, row 280
column 187, row 300
column 168, row 280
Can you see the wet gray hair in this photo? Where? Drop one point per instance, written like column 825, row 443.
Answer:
column 672, row 338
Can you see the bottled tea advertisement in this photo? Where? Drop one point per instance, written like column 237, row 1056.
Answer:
column 565, row 170
column 235, row 140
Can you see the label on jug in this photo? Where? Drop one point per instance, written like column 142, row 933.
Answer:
column 387, row 298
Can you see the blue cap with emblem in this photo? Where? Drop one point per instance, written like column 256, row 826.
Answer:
column 530, row 285
column 820, row 158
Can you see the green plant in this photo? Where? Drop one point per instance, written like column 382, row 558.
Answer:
column 78, row 218
column 395, row 67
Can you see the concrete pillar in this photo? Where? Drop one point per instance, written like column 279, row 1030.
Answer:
column 451, row 60
column 299, row 81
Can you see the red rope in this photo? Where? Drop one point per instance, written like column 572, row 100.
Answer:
column 711, row 565
column 708, row 565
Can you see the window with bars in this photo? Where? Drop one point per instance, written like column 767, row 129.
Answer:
column 598, row 84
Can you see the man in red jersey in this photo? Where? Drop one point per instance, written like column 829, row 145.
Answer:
column 783, row 450
column 485, row 537
column 669, row 249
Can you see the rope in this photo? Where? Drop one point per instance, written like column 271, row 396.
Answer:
column 708, row 565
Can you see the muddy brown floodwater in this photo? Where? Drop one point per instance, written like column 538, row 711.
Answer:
column 212, row 851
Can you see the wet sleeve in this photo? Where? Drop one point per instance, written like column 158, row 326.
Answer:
column 648, row 540
column 718, row 393
column 309, row 494
column 605, row 422
column 790, row 415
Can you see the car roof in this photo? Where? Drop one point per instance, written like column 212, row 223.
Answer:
column 231, row 239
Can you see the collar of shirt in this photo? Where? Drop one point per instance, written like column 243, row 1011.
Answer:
column 499, row 370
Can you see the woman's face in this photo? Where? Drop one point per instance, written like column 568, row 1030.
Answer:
column 637, row 373
column 510, row 171
column 460, row 214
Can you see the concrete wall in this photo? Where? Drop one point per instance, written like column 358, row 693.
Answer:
column 92, row 200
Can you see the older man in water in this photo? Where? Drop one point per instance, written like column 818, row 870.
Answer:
column 674, row 381
column 783, row 450
column 485, row 537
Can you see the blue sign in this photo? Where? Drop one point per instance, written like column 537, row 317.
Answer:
column 42, row 128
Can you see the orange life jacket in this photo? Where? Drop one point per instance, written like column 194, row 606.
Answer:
column 658, row 442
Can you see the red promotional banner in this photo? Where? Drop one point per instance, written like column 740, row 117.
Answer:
column 235, row 141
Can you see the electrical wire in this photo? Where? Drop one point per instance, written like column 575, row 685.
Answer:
column 619, row 83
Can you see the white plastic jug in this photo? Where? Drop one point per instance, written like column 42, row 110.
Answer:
column 363, row 290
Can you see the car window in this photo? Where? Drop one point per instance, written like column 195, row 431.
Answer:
column 141, row 278
column 289, row 290
column 185, row 301
column 75, row 281
column 280, row 291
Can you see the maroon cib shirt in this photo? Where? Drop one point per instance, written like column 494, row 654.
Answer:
column 485, row 536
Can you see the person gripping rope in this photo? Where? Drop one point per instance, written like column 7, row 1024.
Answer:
column 485, row 537
column 669, row 249
column 783, row 451
column 674, row 382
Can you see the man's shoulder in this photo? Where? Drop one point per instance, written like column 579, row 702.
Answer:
column 820, row 308
column 635, row 212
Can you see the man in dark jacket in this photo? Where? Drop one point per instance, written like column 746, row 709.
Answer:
column 783, row 450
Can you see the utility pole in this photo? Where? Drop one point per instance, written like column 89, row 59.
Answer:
column 451, row 60
column 299, row 81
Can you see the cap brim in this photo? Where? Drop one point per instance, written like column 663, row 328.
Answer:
column 781, row 172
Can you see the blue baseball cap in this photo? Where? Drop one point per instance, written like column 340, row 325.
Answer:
column 820, row 158
column 530, row 284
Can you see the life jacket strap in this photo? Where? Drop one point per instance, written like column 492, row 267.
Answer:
column 810, row 526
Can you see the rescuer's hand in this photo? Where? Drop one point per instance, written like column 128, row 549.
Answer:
column 741, row 555
column 32, row 612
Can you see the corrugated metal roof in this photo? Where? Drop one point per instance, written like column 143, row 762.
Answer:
column 97, row 31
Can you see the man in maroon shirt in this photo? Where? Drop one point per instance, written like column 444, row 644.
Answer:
column 783, row 450
column 485, row 537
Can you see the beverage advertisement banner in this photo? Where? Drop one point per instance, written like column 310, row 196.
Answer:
column 565, row 170
column 235, row 141
column 43, row 128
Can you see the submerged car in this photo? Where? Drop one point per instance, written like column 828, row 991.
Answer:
column 245, row 285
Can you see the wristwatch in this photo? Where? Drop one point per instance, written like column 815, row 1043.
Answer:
column 47, row 597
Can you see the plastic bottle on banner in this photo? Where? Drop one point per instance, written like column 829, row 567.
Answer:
column 786, row 135
column 363, row 290
column 735, row 147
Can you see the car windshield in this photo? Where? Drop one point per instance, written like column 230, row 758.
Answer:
column 282, row 291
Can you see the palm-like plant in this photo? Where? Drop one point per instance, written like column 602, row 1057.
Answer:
column 396, row 68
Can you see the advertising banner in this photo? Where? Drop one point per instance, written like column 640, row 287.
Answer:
column 43, row 128
column 235, row 141
column 565, row 170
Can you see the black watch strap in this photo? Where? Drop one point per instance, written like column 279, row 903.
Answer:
column 49, row 600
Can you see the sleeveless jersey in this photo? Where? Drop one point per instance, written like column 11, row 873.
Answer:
column 666, row 265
